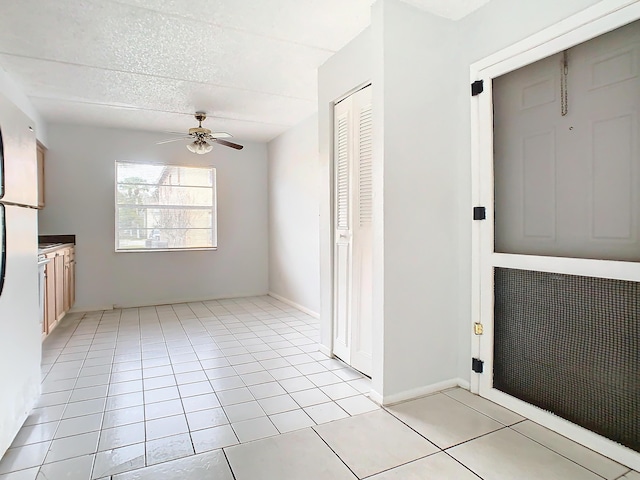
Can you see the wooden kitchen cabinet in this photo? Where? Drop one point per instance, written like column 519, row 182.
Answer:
column 69, row 277
column 59, row 286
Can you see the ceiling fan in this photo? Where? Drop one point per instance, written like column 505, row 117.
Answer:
column 200, row 135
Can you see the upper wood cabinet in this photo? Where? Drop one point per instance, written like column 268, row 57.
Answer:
column 41, row 155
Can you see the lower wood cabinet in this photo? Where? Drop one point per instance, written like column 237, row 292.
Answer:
column 60, row 284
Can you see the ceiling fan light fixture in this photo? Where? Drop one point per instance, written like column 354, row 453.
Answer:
column 200, row 147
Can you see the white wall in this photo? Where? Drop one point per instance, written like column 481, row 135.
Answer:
column 80, row 201
column 419, row 295
column 293, row 215
column 344, row 72
column 419, row 66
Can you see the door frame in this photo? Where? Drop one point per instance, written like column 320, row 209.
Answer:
column 579, row 28
column 333, row 213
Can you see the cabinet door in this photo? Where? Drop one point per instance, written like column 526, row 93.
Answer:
column 59, row 281
column 72, row 277
column 66, row 288
column 50, row 318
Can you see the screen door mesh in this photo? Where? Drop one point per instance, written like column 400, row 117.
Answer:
column 569, row 344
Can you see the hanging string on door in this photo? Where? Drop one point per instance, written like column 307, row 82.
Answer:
column 564, row 96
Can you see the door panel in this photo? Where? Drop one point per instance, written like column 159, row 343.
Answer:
column 569, row 185
column 353, row 230
column 20, row 158
column 558, row 268
column 361, row 335
column 343, row 273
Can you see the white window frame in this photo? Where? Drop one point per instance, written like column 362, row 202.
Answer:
column 213, row 208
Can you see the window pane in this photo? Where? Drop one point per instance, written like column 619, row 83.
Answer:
column 142, row 217
column 140, row 194
column 163, row 238
column 165, row 207
column 164, row 175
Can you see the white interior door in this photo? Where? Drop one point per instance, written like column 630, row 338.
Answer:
column 353, row 231
column 562, row 191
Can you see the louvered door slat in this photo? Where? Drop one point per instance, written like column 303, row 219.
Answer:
column 365, row 165
column 342, row 183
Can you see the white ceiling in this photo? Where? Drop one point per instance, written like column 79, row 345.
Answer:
column 149, row 64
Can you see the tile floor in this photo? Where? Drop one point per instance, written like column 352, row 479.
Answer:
column 236, row 390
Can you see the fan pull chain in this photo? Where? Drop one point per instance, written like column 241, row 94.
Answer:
column 564, row 86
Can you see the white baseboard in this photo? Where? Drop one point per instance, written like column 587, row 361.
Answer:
column 418, row 392
column 325, row 350
column 295, row 305
column 375, row 397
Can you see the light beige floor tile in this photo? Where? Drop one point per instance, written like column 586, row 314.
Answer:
column 357, row 405
column 290, row 421
column 265, row 390
column 79, row 425
column 79, row 467
column 589, row 459
column 443, row 420
column 213, row 438
column 482, row 405
column 325, row 412
column 243, row 411
column 29, row 434
column 23, row 457
column 168, row 448
column 70, row 447
column 165, row 427
column 200, row 402
column 161, row 394
column 254, row 429
column 438, row 466
column 631, row 476
column 85, row 407
column 226, row 383
column 292, row 456
column 206, row 418
column 313, row 396
column 123, row 416
column 296, row 384
column 339, row 390
column 119, row 460
column 167, row 408
column 279, row 404
column 238, row 395
column 210, row 465
column 45, row 415
column 507, row 455
column 111, row 438
column 373, row 442
column 29, row 474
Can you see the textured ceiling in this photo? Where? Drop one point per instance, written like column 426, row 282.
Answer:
column 149, row 64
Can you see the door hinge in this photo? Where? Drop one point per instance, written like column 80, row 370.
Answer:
column 477, row 365
column 478, row 328
column 479, row 213
column 477, row 87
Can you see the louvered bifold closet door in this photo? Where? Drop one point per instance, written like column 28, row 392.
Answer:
column 362, row 245
column 342, row 234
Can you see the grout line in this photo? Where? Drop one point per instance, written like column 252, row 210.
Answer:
column 460, row 463
column 334, row 452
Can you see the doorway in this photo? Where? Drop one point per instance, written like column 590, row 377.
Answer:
column 353, row 208
column 556, row 265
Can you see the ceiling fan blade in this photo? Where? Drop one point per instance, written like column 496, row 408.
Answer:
column 172, row 140
column 173, row 133
column 228, row 144
column 220, row 135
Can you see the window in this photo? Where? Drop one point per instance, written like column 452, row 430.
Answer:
column 165, row 207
